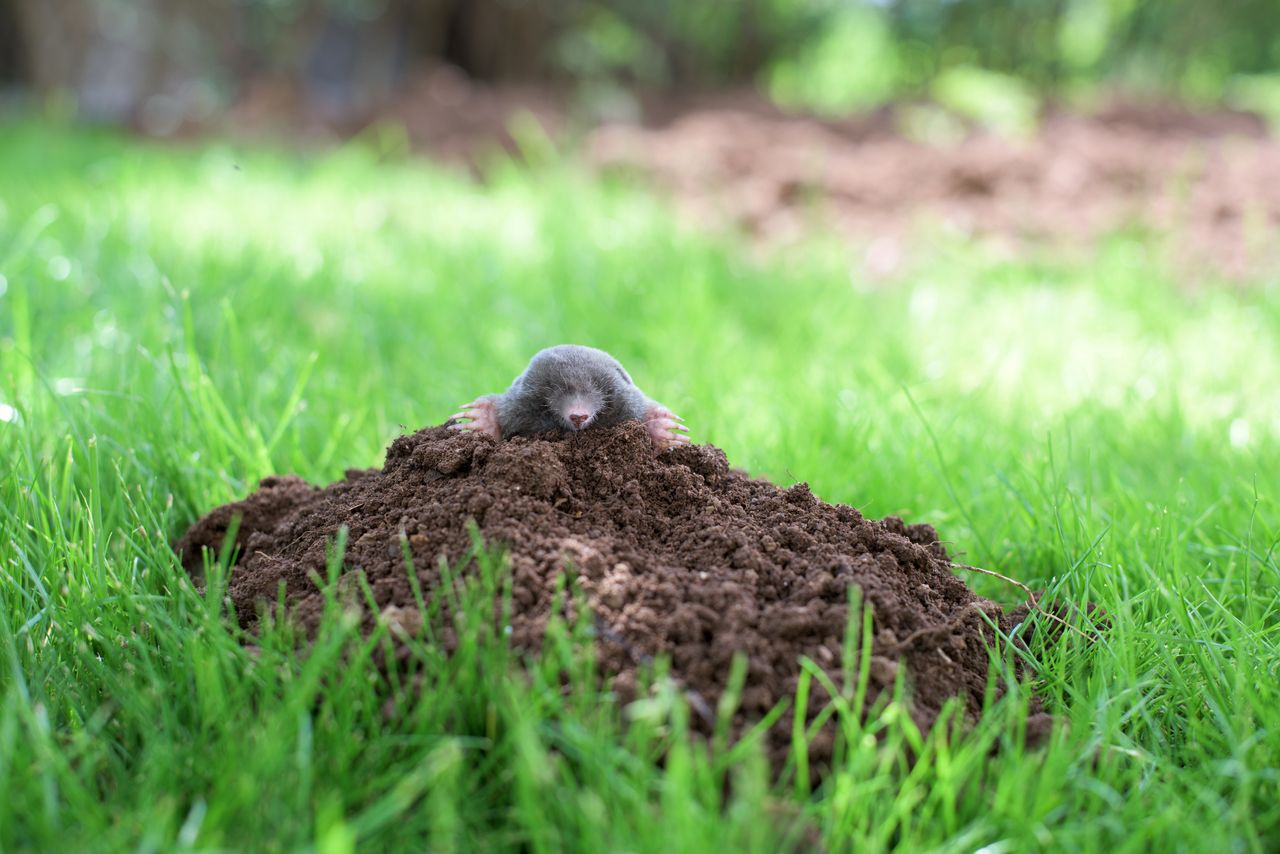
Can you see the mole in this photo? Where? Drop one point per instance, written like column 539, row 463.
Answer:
column 570, row 388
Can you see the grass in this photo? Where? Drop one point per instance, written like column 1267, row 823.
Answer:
column 176, row 324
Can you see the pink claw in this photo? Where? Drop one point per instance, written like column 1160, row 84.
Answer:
column 662, row 425
column 480, row 415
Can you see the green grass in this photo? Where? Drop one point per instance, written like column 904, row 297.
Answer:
column 175, row 324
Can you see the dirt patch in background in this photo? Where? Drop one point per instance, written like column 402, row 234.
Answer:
column 677, row 554
column 443, row 112
column 1211, row 180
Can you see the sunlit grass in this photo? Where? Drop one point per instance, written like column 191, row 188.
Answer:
column 176, row 324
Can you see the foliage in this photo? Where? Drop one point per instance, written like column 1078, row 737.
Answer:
column 993, row 100
column 1259, row 93
column 852, row 64
column 840, row 55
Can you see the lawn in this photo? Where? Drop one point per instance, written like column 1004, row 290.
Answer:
column 176, row 323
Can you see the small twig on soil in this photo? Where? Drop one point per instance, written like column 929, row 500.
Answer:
column 992, row 572
column 1031, row 597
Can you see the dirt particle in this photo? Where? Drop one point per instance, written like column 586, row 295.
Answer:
column 402, row 620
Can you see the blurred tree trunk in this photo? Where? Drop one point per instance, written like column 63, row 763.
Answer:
column 12, row 60
column 54, row 35
column 500, row 39
column 157, row 61
column 114, row 56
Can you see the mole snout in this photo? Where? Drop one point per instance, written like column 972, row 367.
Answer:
column 578, row 411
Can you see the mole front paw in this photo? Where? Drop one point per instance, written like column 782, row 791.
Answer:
column 480, row 415
column 663, row 425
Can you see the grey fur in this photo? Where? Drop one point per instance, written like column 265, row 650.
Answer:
column 535, row 401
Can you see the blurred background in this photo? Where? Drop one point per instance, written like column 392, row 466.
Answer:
column 170, row 65
column 1057, row 120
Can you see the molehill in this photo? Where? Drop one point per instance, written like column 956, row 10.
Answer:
column 677, row 555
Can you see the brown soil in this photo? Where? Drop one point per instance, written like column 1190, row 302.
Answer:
column 441, row 110
column 677, row 554
column 1210, row 181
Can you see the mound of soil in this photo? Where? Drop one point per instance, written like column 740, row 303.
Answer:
column 677, row 554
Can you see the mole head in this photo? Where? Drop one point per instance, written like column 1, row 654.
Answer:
column 579, row 386
column 577, row 403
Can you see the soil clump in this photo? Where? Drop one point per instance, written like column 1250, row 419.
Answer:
column 677, row 555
